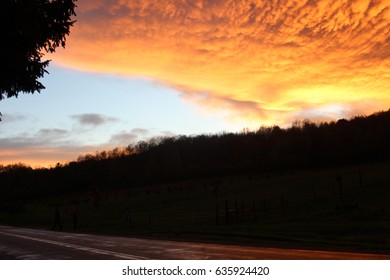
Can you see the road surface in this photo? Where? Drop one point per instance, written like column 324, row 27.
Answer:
column 22, row 243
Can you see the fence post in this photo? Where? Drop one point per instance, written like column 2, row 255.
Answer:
column 254, row 210
column 340, row 186
column 282, row 205
column 242, row 210
column 216, row 214
column 227, row 211
column 149, row 217
column 237, row 214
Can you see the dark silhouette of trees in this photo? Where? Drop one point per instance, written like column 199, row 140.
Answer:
column 27, row 29
column 303, row 145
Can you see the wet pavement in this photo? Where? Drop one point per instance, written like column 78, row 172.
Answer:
column 23, row 243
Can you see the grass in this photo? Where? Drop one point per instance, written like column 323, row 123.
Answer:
column 304, row 208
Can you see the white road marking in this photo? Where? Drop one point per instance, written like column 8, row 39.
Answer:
column 78, row 247
column 192, row 250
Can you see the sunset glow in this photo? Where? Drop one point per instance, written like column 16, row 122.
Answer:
column 189, row 67
column 264, row 62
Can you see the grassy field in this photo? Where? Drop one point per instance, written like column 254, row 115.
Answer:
column 346, row 208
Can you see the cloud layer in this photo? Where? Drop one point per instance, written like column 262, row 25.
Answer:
column 93, row 119
column 262, row 61
column 47, row 146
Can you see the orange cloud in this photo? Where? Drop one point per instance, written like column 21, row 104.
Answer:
column 260, row 62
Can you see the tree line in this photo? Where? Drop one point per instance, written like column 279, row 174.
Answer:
column 269, row 149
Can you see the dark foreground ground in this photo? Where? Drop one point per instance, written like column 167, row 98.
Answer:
column 345, row 209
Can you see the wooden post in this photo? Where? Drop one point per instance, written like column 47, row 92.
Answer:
column 216, row 214
column 227, row 211
column 216, row 192
column 149, row 217
column 242, row 211
column 282, row 205
column 129, row 219
column 237, row 214
column 254, row 211
column 340, row 186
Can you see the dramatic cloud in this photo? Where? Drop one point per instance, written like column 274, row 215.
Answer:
column 257, row 60
column 93, row 119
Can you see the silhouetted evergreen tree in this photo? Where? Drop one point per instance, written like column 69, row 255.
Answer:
column 27, row 29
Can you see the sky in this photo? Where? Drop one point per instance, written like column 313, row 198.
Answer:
column 134, row 69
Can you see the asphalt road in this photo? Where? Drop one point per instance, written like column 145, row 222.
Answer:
column 22, row 243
